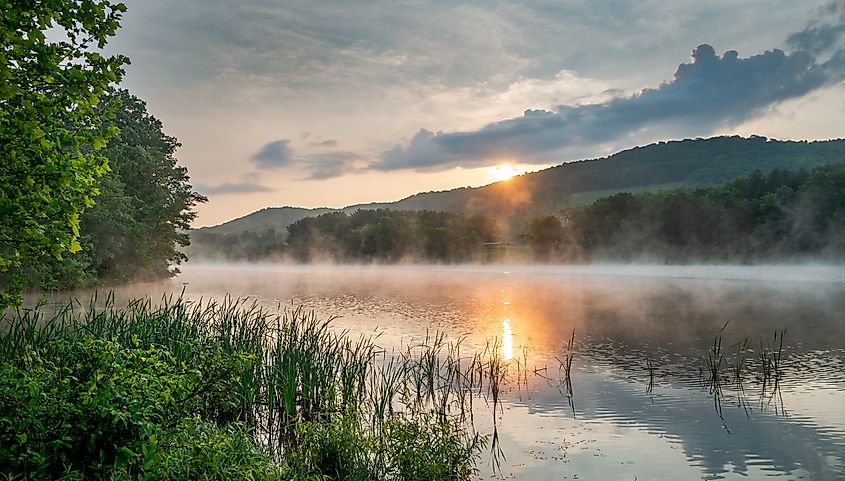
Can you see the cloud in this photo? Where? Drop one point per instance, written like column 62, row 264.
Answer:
column 708, row 93
column 705, row 94
column 820, row 34
column 324, row 164
column 274, row 154
column 332, row 164
column 233, row 188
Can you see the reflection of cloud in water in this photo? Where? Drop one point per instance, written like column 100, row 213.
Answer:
column 739, row 443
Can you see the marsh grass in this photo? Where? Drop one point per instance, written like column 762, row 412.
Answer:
column 770, row 359
column 318, row 402
column 565, row 367
column 769, row 365
column 740, row 360
column 651, row 368
column 714, row 361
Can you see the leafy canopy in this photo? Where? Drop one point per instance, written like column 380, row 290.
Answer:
column 51, row 79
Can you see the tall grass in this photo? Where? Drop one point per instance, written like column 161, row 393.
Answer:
column 322, row 402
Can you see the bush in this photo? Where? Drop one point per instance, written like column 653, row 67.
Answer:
column 193, row 391
column 87, row 407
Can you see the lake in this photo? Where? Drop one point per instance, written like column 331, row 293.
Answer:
column 641, row 400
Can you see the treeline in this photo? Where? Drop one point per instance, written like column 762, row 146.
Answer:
column 136, row 226
column 245, row 246
column 780, row 216
column 390, row 236
column 383, row 236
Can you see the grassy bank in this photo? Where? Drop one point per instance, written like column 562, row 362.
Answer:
column 225, row 390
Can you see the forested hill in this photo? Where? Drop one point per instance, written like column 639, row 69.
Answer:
column 268, row 218
column 690, row 163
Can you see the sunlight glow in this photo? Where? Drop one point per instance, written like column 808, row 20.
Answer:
column 503, row 172
column 507, row 340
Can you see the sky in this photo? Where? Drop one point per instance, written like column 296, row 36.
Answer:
column 332, row 103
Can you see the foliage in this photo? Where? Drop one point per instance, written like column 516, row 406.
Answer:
column 390, row 236
column 544, row 234
column 781, row 215
column 219, row 391
column 236, row 246
column 365, row 236
column 201, row 450
column 51, row 124
column 145, row 205
column 95, row 405
column 428, row 450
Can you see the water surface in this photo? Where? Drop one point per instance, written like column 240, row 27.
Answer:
column 620, row 420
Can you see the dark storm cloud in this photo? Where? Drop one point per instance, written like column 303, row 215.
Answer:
column 274, row 154
column 710, row 92
column 233, row 188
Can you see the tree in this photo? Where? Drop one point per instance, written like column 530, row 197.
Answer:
column 51, row 125
column 143, row 211
column 545, row 235
column 138, row 234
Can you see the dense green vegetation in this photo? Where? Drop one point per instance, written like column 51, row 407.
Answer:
column 780, row 216
column 135, row 229
column 51, row 126
column 91, row 192
column 225, row 391
column 383, row 235
column 364, row 236
column 250, row 246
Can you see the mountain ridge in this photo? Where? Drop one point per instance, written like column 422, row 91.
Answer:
column 662, row 165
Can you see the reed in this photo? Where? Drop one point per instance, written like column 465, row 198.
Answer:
column 318, row 401
column 770, row 356
column 715, row 360
column 740, row 359
column 650, row 367
column 565, row 369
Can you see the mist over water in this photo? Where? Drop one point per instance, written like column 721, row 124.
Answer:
column 620, row 421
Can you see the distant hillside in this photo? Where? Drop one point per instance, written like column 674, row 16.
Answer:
column 663, row 165
column 692, row 163
column 277, row 218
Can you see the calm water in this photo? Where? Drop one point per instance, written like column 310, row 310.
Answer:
column 620, row 420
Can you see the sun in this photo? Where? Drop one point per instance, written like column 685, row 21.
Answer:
column 503, row 172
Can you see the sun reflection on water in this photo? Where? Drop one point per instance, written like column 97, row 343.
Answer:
column 507, row 340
